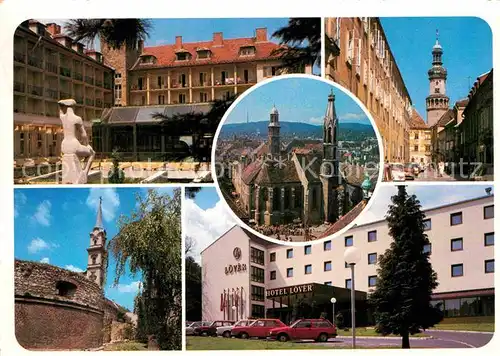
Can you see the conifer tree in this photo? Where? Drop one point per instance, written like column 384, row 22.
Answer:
column 405, row 278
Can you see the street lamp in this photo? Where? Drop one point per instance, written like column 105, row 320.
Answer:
column 234, row 310
column 333, row 300
column 351, row 257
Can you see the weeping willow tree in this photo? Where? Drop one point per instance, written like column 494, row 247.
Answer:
column 149, row 244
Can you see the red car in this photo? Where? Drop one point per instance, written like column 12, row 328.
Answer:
column 305, row 329
column 259, row 328
column 211, row 329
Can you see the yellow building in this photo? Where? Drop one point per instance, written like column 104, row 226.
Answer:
column 359, row 58
column 420, row 140
column 49, row 66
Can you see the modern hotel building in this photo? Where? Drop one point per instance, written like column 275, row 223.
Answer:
column 245, row 276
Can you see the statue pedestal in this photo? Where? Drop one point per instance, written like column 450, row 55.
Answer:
column 72, row 172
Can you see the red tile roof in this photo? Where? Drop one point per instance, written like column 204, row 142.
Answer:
column 417, row 123
column 345, row 220
column 478, row 83
column 229, row 52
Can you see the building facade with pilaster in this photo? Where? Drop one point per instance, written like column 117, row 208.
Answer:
column 359, row 58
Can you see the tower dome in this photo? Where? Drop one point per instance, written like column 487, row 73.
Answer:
column 274, row 110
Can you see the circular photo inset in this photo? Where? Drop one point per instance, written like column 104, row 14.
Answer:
column 297, row 158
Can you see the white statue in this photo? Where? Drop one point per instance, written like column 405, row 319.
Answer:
column 74, row 146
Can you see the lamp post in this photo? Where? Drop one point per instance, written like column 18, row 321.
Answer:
column 234, row 310
column 351, row 257
column 333, row 300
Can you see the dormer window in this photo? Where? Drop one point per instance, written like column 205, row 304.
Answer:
column 182, row 55
column 203, row 53
column 148, row 59
column 247, row 51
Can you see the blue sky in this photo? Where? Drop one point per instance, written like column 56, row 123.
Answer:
column 467, row 46
column 52, row 225
column 207, row 217
column 297, row 99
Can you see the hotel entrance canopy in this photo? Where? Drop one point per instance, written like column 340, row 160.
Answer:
column 319, row 293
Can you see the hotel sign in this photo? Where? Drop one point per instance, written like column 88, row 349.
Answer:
column 237, row 267
column 292, row 290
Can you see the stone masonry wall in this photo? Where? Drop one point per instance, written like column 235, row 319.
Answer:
column 56, row 309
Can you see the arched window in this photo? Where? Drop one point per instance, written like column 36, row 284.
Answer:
column 94, row 259
column 329, row 135
column 94, row 241
column 65, row 289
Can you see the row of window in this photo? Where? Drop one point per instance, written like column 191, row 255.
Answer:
column 457, row 270
column 257, row 293
column 257, row 256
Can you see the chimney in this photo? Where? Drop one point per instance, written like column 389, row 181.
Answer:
column 178, row 42
column 53, row 28
column 261, row 35
column 218, row 39
column 140, row 45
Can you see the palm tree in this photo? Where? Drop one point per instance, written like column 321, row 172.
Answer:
column 197, row 123
column 115, row 32
column 300, row 43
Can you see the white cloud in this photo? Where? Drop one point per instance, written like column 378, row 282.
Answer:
column 351, row 115
column 37, row 244
column 42, row 214
column 132, row 287
column 110, row 201
column 73, row 268
column 204, row 226
column 45, row 260
column 20, row 200
column 430, row 196
column 316, row 120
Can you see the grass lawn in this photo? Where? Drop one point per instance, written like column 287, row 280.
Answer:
column 220, row 343
column 126, row 346
column 479, row 323
column 372, row 332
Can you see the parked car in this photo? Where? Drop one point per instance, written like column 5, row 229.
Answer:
column 225, row 331
column 190, row 326
column 211, row 329
column 259, row 328
column 409, row 172
column 416, row 169
column 397, row 172
column 319, row 330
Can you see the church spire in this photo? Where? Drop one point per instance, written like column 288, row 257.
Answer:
column 98, row 223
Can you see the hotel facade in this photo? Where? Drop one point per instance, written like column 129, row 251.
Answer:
column 119, row 91
column 244, row 276
column 49, row 66
column 359, row 58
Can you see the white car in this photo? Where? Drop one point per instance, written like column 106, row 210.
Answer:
column 397, row 172
column 225, row 331
column 190, row 328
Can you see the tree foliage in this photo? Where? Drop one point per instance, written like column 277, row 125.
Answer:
column 191, row 192
column 301, row 43
column 115, row 32
column 196, row 123
column 405, row 278
column 149, row 243
column 117, row 175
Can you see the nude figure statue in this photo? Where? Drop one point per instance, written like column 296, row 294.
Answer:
column 74, row 145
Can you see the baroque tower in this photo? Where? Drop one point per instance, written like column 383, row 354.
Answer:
column 330, row 175
column 96, row 264
column 437, row 102
column 274, row 133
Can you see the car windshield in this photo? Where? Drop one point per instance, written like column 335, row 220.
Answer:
column 196, row 324
column 251, row 322
column 295, row 323
column 241, row 323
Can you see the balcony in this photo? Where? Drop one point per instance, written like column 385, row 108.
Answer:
column 137, row 87
column 51, row 93
column 51, row 67
column 78, row 76
column 35, row 90
column 64, row 95
column 66, row 72
column 79, row 99
column 19, row 87
column 176, row 85
column 35, row 62
column 89, row 102
column 98, row 103
column 89, row 80
column 206, row 83
column 19, row 57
